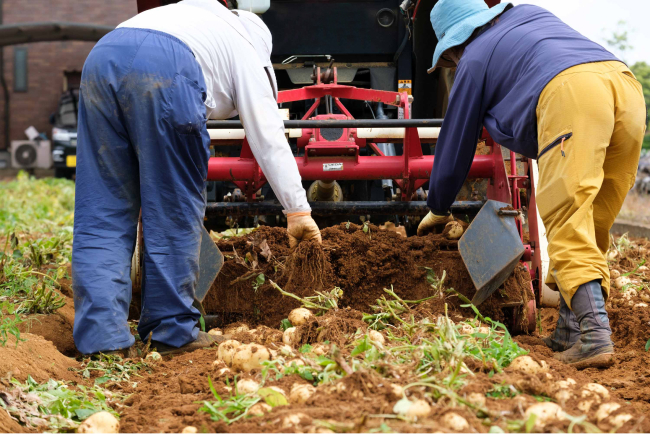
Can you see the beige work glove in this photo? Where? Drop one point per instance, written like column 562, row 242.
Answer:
column 301, row 227
column 432, row 222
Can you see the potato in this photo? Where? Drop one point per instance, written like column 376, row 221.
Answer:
column 249, row 357
column 246, row 387
column 100, row 422
column 453, row 230
column 291, row 336
column 300, row 316
column 620, row 419
column 642, row 268
column 466, row 329
column 477, row 399
column 226, row 350
column 620, row 282
column 546, row 412
column 300, row 393
column 293, row 419
column 374, row 335
column 605, row 410
column 215, row 332
column 563, row 395
column 189, row 430
column 585, row 406
column 419, row 408
column 614, row 274
column 483, row 330
column 320, row 349
column 279, row 390
column 455, row 422
column 595, row 388
column 396, row 391
column 612, row 255
column 154, row 356
column 526, row 364
column 223, row 372
column 641, row 305
column 259, row 409
column 236, row 328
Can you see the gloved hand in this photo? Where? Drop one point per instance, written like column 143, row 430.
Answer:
column 301, row 227
column 433, row 222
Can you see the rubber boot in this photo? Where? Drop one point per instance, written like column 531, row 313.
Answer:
column 595, row 348
column 202, row 341
column 567, row 332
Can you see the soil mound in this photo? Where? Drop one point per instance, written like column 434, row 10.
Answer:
column 360, row 262
column 36, row 357
column 53, row 328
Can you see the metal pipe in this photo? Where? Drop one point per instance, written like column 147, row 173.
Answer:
column 427, row 134
column 348, row 123
column 324, row 209
column 348, row 168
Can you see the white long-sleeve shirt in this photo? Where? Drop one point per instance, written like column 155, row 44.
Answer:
column 236, row 83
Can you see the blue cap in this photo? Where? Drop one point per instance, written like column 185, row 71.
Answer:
column 454, row 21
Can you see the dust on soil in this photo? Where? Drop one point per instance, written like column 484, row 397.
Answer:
column 361, row 263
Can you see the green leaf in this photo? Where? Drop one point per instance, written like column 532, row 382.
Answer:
column 285, row 324
column 496, row 429
column 647, row 345
column 305, row 348
column 364, row 346
column 272, row 397
column 85, row 413
column 530, row 423
column 202, row 323
column 260, row 279
column 101, row 380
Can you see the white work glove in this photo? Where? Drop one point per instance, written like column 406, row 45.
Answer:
column 433, row 223
column 301, row 227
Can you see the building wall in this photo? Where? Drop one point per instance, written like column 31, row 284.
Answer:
column 47, row 61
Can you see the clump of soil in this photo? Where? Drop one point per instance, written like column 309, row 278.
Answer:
column 362, row 263
column 334, row 327
column 53, row 328
column 36, row 357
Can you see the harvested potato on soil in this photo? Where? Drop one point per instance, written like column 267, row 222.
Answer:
column 247, row 386
column 546, row 412
column 100, row 422
column 453, row 230
column 249, row 357
column 236, row 328
column 605, row 410
column 215, row 332
column 291, row 336
column 526, row 364
column 374, row 335
column 226, row 350
column 614, row 274
column 154, row 355
column 620, row 282
column 595, row 388
column 300, row 316
column 259, row 409
column 455, row 422
column 190, row 430
column 300, row 393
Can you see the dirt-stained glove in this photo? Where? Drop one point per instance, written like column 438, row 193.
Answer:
column 432, row 222
column 301, row 227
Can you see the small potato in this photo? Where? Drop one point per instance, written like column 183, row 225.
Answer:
column 642, row 268
column 259, row 409
column 236, row 328
column 466, row 329
column 585, row 406
column 320, row 349
column 620, row 419
column 546, row 412
column 100, row 422
column 300, row 393
column 453, row 230
column 291, row 420
column 477, row 399
column 614, row 274
column 374, row 335
column 640, row 305
column 190, row 430
column 300, row 316
column 154, row 356
column 246, row 387
column 223, row 372
column 419, row 408
column 215, row 332
column 595, row 388
column 612, row 255
column 291, row 336
column 455, row 422
column 226, row 350
column 279, row 390
column 249, row 357
column 526, row 364
column 563, row 395
column 620, row 282
column 605, row 410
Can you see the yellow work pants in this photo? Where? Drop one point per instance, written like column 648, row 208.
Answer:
column 591, row 122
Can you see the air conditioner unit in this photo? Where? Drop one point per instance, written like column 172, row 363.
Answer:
column 31, row 154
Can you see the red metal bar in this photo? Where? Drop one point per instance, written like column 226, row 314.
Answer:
column 338, row 91
column 367, row 168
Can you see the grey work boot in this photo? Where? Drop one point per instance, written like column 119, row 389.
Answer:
column 567, row 332
column 202, row 341
column 594, row 349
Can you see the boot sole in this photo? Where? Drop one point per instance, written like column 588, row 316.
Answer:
column 191, row 346
column 598, row 361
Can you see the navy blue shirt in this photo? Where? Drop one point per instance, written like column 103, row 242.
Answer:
column 498, row 82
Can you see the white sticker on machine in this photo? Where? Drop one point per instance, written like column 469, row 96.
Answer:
column 329, row 167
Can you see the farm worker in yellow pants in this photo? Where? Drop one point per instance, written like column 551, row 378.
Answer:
column 543, row 90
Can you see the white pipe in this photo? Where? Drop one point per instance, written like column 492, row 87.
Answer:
column 239, row 134
column 396, row 133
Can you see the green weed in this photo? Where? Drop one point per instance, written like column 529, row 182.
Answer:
column 112, row 368
column 321, row 302
column 9, row 324
column 228, row 410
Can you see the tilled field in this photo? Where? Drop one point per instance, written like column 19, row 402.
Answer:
column 411, row 359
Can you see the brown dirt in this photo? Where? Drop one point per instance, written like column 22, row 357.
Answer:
column 53, row 328
column 36, row 357
column 7, row 424
column 361, row 264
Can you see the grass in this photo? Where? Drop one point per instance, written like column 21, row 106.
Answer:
column 9, row 323
column 321, row 302
column 228, row 410
column 112, row 368
column 54, row 406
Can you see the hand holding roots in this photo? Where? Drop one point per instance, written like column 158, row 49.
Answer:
column 433, row 223
column 302, row 227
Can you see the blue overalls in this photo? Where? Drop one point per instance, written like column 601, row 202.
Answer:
column 142, row 144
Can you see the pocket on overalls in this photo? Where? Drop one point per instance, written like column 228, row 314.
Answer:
column 186, row 111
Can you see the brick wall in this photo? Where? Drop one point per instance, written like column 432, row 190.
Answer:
column 47, row 61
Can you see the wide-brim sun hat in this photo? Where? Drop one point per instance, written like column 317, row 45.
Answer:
column 454, row 21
